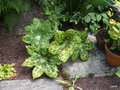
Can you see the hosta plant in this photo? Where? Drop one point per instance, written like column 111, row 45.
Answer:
column 95, row 21
column 49, row 48
column 38, row 36
column 7, row 71
column 73, row 11
column 72, row 44
column 114, row 33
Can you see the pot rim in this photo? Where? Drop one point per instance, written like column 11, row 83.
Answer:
column 102, row 29
column 106, row 48
column 99, row 30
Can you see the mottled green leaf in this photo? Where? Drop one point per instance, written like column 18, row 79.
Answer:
column 7, row 71
column 37, row 72
column 66, row 53
column 83, row 54
column 88, row 45
column 75, row 54
column 51, row 70
column 30, row 62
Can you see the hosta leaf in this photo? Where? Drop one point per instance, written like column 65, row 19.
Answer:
column 84, row 54
column 38, row 34
column 92, row 16
column 55, row 47
column 105, row 21
column 66, row 53
column 75, row 54
column 83, row 35
column 105, row 15
column 59, row 36
column 30, row 62
column 92, row 28
column 87, row 19
column 55, row 60
column 70, row 33
column 51, row 70
column 37, row 72
column 98, row 17
column 88, row 45
column 32, row 50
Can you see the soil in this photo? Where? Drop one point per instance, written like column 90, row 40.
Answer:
column 68, row 25
column 103, row 34
column 12, row 50
column 117, row 52
column 98, row 83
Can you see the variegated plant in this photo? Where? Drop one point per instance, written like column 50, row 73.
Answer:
column 71, row 44
column 45, row 55
column 38, row 36
column 7, row 71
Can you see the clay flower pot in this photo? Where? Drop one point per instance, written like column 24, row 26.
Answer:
column 112, row 58
column 100, row 42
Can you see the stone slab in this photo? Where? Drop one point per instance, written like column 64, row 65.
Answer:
column 96, row 65
column 40, row 84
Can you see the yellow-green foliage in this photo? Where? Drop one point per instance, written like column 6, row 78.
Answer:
column 7, row 71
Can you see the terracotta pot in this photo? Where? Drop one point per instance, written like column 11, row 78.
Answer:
column 112, row 58
column 100, row 42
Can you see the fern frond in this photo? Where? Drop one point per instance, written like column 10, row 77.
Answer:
column 10, row 20
column 11, row 9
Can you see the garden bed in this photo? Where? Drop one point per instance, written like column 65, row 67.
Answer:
column 99, row 83
column 12, row 50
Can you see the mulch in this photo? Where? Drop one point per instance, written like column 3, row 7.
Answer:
column 98, row 83
column 12, row 50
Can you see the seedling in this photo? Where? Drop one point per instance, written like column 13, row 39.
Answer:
column 71, row 85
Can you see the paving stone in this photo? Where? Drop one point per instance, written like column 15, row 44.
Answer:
column 40, row 84
column 96, row 65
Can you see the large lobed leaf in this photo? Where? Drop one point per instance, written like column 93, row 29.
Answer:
column 71, row 43
column 38, row 36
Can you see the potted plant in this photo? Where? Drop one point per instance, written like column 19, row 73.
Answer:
column 102, row 34
column 102, row 38
column 113, row 50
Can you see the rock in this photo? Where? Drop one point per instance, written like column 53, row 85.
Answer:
column 41, row 84
column 96, row 65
